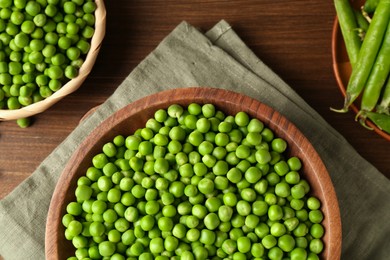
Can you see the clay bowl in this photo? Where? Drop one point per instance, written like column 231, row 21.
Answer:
column 73, row 84
column 342, row 68
column 134, row 116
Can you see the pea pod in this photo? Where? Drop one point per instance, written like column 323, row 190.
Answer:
column 378, row 75
column 348, row 26
column 384, row 105
column 382, row 121
column 362, row 24
column 367, row 54
column 370, row 6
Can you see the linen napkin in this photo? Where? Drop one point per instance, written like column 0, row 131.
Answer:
column 218, row 58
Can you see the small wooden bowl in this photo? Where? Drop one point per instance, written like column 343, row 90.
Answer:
column 135, row 115
column 342, row 68
column 72, row 85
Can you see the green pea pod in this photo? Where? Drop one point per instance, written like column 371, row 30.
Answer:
column 378, row 75
column 368, row 52
column 370, row 6
column 361, row 21
column 382, row 121
column 348, row 26
column 384, row 105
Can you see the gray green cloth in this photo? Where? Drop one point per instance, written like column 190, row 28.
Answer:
column 218, row 58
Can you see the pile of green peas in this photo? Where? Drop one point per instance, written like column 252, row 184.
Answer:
column 195, row 184
column 43, row 44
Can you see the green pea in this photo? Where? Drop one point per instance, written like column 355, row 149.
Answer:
column 241, row 119
column 14, row 68
column 79, row 241
column 73, row 53
column 316, row 216
column 282, row 189
column 206, row 186
column 13, row 103
column 302, row 214
column 254, row 138
column 269, row 241
column 55, row 72
column 211, row 221
column 28, row 27
column 38, row 33
column 174, row 146
column 298, row 253
column 171, row 243
column 23, row 122
column 273, row 178
column 225, row 213
column 177, row 189
column 74, row 228
column 17, row 17
column 51, row 10
column 106, row 248
column 193, row 234
column 199, row 211
column 221, row 182
column 291, row 223
column 298, row 191
column 292, row 177
column 263, row 156
column 33, row 8
column 21, row 40
column 262, row 230
column 275, row 253
column 257, row 250
column 275, row 212
column 203, row 125
column 243, row 208
column 301, row 230
column 313, row 203
column 229, row 246
column 89, row 7
column 297, row 204
column 317, row 230
column 251, row 221
column 294, row 163
column 40, row 20
column 213, row 204
column 253, row 174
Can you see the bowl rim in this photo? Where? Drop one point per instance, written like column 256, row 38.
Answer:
column 272, row 119
column 73, row 84
column 337, row 43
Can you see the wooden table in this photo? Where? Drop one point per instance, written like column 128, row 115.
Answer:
column 292, row 37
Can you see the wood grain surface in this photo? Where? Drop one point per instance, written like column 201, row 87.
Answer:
column 135, row 115
column 292, row 37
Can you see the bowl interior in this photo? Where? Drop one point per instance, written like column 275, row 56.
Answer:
column 73, row 84
column 135, row 115
column 342, row 67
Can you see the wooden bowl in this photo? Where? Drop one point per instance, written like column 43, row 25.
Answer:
column 135, row 115
column 73, row 84
column 342, row 68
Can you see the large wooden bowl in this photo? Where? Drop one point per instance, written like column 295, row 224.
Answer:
column 73, row 84
column 342, row 67
column 135, row 115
